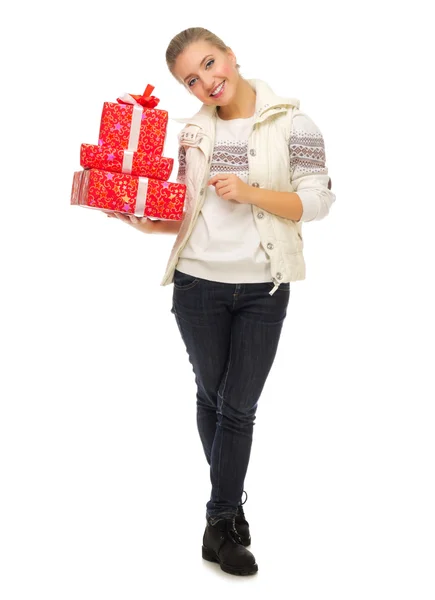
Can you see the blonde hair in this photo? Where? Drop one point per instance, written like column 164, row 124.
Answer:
column 183, row 39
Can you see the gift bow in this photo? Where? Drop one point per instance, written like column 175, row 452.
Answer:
column 146, row 100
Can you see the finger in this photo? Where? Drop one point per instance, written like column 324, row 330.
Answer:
column 223, row 189
column 216, row 178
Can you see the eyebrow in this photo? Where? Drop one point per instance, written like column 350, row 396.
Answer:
column 201, row 63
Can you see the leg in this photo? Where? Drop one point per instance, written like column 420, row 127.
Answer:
column 204, row 322
column 255, row 333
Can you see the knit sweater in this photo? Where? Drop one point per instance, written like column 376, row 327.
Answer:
column 225, row 245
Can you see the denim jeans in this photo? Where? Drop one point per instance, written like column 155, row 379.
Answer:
column 231, row 333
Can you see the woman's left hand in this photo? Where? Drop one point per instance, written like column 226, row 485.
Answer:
column 230, row 187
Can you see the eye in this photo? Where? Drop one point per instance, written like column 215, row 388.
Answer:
column 210, row 61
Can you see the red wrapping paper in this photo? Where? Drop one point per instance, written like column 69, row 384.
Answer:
column 111, row 159
column 116, row 120
column 117, row 192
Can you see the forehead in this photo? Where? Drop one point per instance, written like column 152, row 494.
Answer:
column 188, row 61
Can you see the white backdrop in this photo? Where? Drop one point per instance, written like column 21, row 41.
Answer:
column 104, row 482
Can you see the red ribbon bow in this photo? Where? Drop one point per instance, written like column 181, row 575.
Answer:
column 146, row 100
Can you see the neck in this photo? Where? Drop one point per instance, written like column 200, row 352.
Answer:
column 242, row 105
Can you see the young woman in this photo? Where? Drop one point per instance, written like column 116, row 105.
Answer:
column 254, row 167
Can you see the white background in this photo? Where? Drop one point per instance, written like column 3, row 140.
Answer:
column 103, row 478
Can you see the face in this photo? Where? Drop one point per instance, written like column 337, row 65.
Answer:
column 202, row 67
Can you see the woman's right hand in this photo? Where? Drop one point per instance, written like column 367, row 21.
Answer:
column 141, row 223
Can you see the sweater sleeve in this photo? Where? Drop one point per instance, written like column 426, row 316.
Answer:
column 181, row 175
column 308, row 172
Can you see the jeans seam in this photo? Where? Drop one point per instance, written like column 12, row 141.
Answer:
column 221, row 395
column 224, row 382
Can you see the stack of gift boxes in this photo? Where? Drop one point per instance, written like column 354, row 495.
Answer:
column 126, row 171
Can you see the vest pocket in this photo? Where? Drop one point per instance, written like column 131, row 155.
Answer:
column 288, row 233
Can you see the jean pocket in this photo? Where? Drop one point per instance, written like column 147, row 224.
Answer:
column 183, row 281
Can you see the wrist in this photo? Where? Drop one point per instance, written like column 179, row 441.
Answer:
column 252, row 194
column 160, row 226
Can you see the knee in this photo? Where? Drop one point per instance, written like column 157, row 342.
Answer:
column 238, row 418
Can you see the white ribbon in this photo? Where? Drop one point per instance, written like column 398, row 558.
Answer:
column 127, row 161
column 136, row 119
column 141, row 197
column 129, row 99
column 80, row 186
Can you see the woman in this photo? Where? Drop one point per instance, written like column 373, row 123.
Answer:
column 254, row 167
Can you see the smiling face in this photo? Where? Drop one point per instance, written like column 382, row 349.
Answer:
column 202, row 67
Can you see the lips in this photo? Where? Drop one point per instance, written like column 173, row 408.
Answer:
column 213, row 91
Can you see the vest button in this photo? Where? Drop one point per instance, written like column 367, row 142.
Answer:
column 252, row 152
column 260, row 215
column 270, row 246
column 279, row 276
column 202, row 191
column 255, row 184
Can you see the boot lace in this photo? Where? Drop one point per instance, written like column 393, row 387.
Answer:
column 240, row 511
column 229, row 527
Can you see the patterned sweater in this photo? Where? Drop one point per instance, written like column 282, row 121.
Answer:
column 225, row 245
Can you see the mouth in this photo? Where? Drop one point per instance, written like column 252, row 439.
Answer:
column 218, row 90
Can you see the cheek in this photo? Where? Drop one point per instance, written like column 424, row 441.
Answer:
column 226, row 71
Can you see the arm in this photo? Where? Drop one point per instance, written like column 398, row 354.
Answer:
column 282, row 204
column 157, row 225
column 165, row 226
column 309, row 173
column 312, row 198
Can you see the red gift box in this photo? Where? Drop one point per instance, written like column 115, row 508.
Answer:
column 117, row 160
column 120, row 192
column 133, row 127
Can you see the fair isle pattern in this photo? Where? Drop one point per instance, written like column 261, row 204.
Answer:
column 307, row 153
column 230, row 156
column 306, row 148
column 181, row 175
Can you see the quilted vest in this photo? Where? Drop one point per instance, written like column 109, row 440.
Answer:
column 269, row 168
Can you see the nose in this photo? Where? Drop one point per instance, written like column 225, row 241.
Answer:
column 209, row 84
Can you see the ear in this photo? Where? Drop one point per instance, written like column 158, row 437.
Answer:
column 232, row 56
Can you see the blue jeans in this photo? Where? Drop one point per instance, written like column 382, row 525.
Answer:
column 231, row 333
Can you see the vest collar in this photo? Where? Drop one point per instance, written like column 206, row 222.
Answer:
column 267, row 103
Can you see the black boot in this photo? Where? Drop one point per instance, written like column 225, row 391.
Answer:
column 242, row 524
column 222, row 544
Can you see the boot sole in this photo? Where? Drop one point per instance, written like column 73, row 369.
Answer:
column 208, row 554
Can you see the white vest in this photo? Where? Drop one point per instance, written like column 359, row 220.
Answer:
column 269, row 168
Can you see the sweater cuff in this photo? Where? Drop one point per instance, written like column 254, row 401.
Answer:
column 310, row 205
